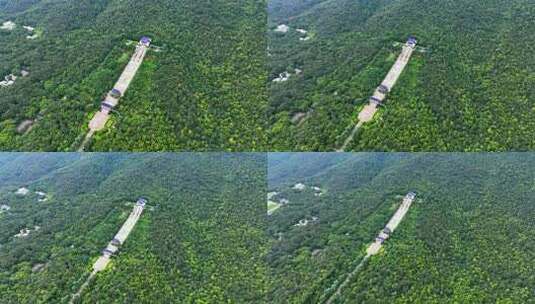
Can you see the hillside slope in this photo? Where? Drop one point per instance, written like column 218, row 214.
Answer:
column 201, row 238
column 204, row 89
column 467, row 238
column 470, row 90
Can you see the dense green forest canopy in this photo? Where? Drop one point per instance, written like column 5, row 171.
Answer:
column 203, row 90
column 468, row 238
column 473, row 89
column 200, row 240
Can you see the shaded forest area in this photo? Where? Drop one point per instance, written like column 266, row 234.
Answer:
column 473, row 90
column 205, row 90
column 201, row 238
column 469, row 237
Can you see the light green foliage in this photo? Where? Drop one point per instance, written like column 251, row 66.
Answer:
column 200, row 240
column 471, row 91
column 205, row 89
column 468, row 237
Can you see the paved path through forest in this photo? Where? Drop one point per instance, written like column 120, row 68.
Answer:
column 113, row 246
column 98, row 122
column 376, row 246
column 380, row 94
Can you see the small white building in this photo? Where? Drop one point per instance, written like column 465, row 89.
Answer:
column 317, row 191
column 23, row 233
column 299, row 187
column 4, row 208
column 285, row 76
column 6, row 83
column 8, row 80
column 22, row 191
column 305, row 222
column 302, row 223
column 8, row 25
column 282, row 28
column 41, row 196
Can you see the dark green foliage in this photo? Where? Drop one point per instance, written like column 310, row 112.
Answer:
column 200, row 240
column 468, row 238
column 204, row 91
column 471, row 91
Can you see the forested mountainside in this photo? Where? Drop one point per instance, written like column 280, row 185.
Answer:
column 469, row 236
column 200, row 239
column 200, row 87
column 468, row 87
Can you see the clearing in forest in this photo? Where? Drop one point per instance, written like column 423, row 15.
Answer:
column 99, row 120
column 113, row 246
column 380, row 94
column 376, row 246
